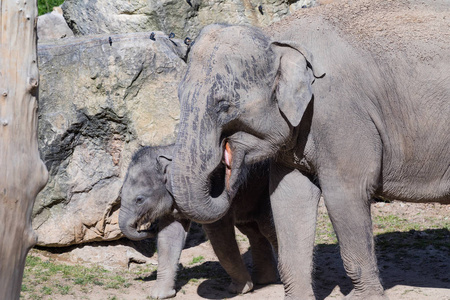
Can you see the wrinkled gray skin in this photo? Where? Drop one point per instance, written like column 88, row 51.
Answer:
column 145, row 201
column 371, row 126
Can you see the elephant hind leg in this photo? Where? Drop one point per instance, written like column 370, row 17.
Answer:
column 223, row 240
column 348, row 181
column 264, row 263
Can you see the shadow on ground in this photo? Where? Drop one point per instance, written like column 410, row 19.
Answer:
column 414, row 258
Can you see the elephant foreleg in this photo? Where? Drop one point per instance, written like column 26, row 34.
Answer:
column 294, row 199
column 171, row 239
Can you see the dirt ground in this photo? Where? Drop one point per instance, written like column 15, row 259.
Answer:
column 413, row 247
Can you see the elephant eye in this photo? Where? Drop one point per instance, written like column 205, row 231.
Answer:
column 223, row 106
column 140, row 200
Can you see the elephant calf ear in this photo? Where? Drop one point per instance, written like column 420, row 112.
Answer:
column 293, row 89
column 164, row 162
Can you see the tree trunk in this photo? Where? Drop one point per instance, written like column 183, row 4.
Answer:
column 22, row 173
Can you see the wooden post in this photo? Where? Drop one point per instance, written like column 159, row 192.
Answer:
column 22, row 173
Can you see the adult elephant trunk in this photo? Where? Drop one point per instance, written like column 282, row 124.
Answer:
column 199, row 186
column 128, row 226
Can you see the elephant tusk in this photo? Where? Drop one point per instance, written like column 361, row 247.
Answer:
column 228, row 156
column 145, row 227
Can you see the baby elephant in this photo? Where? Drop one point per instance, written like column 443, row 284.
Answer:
column 147, row 209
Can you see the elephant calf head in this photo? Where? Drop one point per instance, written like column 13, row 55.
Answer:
column 144, row 197
column 240, row 99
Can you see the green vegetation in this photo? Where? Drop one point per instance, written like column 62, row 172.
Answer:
column 45, row 6
column 428, row 228
column 394, row 231
column 241, row 238
column 392, row 223
column 324, row 230
column 46, row 277
column 197, row 260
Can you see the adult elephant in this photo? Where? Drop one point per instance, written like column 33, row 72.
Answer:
column 376, row 124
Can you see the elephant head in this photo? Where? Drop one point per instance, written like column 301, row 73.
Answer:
column 144, row 198
column 241, row 98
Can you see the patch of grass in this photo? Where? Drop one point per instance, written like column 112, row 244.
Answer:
column 324, row 230
column 116, row 282
column 144, row 273
column 196, row 260
column 143, row 270
column 392, row 230
column 46, row 290
column 63, row 289
column 25, row 288
column 393, row 223
column 193, row 280
column 56, row 278
column 390, row 223
column 241, row 238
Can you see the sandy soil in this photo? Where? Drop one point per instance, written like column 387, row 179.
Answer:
column 413, row 263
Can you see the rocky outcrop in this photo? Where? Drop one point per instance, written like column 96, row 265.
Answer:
column 113, row 255
column 101, row 98
column 182, row 17
column 53, row 26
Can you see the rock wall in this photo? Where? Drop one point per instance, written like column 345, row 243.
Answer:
column 108, row 92
column 182, row 17
column 99, row 102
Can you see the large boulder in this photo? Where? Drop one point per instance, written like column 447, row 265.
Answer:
column 52, row 26
column 182, row 17
column 100, row 99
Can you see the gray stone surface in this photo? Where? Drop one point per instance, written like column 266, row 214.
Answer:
column 123, row 254
column 100, row 100
column 52, row 26
column 98, row 103
column 183, row 17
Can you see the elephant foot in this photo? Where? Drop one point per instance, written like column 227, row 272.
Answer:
column 240, row 288
column 162, row 293
column 367, row 295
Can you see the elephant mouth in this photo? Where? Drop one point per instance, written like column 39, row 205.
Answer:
column 150, row 228
column 227, row 173
column 220, row 178
column 145, row 224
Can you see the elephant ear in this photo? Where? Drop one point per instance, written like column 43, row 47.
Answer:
column 295, row 77
column 164, row 162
